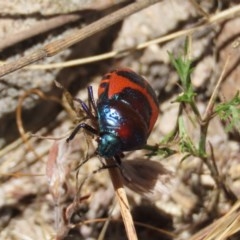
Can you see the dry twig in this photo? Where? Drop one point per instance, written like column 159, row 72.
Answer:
column 39, row 28
column 222, row 228
column 116, row 178
column 23, row 134
column 61, row 44
column 116, row 53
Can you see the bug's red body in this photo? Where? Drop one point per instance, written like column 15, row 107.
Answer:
column 127, row 110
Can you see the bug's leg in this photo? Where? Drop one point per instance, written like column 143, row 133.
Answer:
column 104, row 167
column 91, row 100
column 85, row 108
column 118, row 160
column 120, row 166
column 78, row 127
column 81, row 164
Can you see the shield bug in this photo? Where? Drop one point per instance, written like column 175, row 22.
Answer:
column 124, row 115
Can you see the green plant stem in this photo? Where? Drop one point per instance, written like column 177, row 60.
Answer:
column 196, row 111
column 203, row 137
column 210, row 162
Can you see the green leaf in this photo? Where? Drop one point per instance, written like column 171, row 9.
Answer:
column 186, row 144
column 184, row 70
column 187, row 97
column 230, row 111
column 165, row 152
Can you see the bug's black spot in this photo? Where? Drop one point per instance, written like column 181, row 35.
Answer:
column 139, row 80
column 137, row 101
column 152, row 94
column 104, row 85
column 132, row 76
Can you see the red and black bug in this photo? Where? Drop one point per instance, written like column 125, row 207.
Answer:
column 124, row 115
column 122, row 119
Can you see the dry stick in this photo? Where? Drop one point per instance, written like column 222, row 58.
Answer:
column 140, row 224
column 199, row 8
column 46, row 25
column 39, row 28
column 61, row 44
column 10, row 147
column 204, row 128
column 116, row 178
column 23, row 134
column 211, row 102
column 211, row 20
column 219, row 225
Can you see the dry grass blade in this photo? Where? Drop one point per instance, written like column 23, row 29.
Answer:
column 39, row 28
column 216, row 90
column 229, row 13
column 116, row 179
column 61, row 44
column 12, row 146
column 199, row 8
column 106, row 223
column 116, row 53
column 223, row 227
column 23, row 134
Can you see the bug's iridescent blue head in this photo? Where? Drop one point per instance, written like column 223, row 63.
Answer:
column 109, row 145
